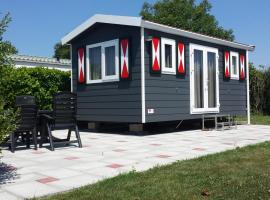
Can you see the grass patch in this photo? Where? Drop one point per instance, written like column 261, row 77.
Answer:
column 243, row 173
column 257, row 119
column 260, row 119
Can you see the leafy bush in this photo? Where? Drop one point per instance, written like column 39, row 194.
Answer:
column 7, row 121
column 40, row 82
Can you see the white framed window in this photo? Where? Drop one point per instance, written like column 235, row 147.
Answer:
column 102, row 62
column 234, row 59
column 168, row 56
column 204, row 80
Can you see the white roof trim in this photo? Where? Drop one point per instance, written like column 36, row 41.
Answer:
column 189, row 34
column 108, row 19
column 138, row 22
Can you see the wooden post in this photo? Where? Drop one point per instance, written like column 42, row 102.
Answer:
column 136, row 128
column 92, row 125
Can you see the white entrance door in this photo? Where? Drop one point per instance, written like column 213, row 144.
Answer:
column 204, row 80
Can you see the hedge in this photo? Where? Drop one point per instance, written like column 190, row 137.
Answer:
column 260, row 89
column 40, row 82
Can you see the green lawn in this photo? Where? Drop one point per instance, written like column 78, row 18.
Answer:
column 237, row 174
column 257, row 119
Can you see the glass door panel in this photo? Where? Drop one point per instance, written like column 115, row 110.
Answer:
column 211, row 62
column 198, row 79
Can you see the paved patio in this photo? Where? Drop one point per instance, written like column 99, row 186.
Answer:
column 29, row 173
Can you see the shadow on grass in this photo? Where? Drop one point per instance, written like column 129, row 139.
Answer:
column 8, row 173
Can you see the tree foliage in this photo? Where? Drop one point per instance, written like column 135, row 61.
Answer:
column 187, row 15
column 6, row 48
column 61, row 51
column 257, row 86
column 260, row 89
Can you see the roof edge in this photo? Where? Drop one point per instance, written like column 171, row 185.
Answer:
column 99, row 18
column 39, row 59
column 139, row 22
column 193, row 35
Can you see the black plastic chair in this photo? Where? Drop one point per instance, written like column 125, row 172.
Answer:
column 25, row 100
column 63, row 117
column 27, row 120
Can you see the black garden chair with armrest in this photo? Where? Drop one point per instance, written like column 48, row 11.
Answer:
column 63, row 117
column 27, row 120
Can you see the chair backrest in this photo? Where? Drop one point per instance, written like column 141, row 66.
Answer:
column 25, row 100
column 64, row 110
column 27, row 118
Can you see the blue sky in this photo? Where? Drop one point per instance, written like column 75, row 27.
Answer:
column 38, row 24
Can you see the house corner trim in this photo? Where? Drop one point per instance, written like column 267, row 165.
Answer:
column 142, row 75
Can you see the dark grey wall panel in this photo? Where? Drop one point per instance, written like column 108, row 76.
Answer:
column 100, row 118
column 112, row 101
column 169, row 95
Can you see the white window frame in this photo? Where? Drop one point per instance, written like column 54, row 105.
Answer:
column 164, row 69
column 205, row 109
column 104, row 78
column 234, row 76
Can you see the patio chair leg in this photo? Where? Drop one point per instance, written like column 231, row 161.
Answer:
column 28, row 140
column 78, row 136
column 34, row 134
column 69, row 134
column 12, row 142
column 50, row 137
column 42, row 134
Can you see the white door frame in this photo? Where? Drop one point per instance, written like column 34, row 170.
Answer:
column 205, row 108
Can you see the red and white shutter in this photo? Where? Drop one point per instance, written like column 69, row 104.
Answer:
column 81, row 65
column 124, row 45
column 242, row 67
column 227, row 64
column 156, row 54
column 181, row 58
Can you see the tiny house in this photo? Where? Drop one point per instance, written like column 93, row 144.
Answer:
column 129, row 70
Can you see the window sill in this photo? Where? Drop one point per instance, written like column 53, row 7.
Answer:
column 235, row 77
column 168, row 72
column 102, row 81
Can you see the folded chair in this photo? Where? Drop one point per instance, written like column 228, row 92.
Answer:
column 63, row 117
column 27, row 120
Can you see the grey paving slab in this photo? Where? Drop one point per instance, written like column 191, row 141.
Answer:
column 75, row 182
column 8, row 196
column 30, row 189
column 36, row 173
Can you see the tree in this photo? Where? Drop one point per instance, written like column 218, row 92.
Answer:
column 6, row 48
column 7, row 116
column 187, row 15
column 61, row 51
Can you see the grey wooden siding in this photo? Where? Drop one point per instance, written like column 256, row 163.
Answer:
column 112, row 101
column 169, row 95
